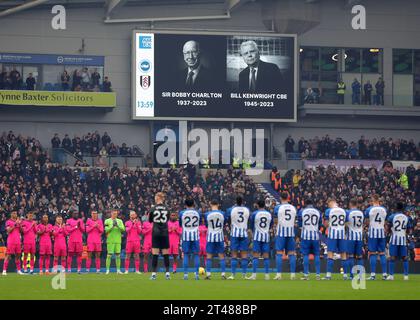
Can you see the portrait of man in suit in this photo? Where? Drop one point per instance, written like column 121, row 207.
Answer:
column 258, row 76
column 195, row 76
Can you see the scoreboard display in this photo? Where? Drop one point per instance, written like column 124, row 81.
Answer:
column 214, row 76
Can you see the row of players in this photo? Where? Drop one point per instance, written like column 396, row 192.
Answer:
column 344, row 229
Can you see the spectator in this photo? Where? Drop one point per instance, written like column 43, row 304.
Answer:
column 367, row 88
column 77, row 80
column 15, row 79
column 96, row 78
column 106, row 139
column 3, row 77
column 341, row 91
column 352, row 151
column 30, row 82
column 66, row 143
column 380, row 88
column 65, row 81
column 289, row 143
column 85, row 79
column 417, row 98
column 311, row 96
column 124, row 150
column 107, row 86
column 355, row 98
column 55, row 141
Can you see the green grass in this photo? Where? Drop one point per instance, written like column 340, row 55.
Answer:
column 132, row 286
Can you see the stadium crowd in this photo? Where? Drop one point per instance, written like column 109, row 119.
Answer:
column 328, row 148
column 93, row 144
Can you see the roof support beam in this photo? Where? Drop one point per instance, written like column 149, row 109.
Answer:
column 111, row 5
column 22, row 7
column 235, row 4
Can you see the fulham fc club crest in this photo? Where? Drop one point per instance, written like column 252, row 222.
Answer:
column 145, row 82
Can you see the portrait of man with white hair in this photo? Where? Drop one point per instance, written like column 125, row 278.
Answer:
column 195, row 76
column 258, row 76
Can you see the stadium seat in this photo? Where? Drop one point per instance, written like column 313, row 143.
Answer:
column 417, row 252
column 2, row 252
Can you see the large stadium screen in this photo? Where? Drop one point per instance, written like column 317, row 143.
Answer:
column 214, row 76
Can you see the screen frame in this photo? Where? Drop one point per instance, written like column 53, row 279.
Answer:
column 221, row 33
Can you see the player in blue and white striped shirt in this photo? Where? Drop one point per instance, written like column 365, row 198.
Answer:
column 261, row 222
column 399, row 224
column 285, row 235
column 215, row 221
column 354, row 220
column 375, row 216
column 189, row 220
column 335, row 221
column 238, row 216
column 310, row 221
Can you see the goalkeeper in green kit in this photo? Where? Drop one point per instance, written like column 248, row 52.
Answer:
column 114, row 228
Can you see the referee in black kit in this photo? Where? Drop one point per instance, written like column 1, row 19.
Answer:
column 159, row 216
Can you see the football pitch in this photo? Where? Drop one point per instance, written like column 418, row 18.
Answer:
column 139, row 287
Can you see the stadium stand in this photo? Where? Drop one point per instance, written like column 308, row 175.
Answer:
column 329, row 148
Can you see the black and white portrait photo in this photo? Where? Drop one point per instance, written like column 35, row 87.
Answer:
column 257, row 65
column 195, row 63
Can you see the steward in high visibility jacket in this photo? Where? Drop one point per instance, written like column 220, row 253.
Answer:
column 341, row 88
column 236, row 163
column 403, row 181
column 172, row 163
column 246, row 164
column 206, row 163
column 277, row 182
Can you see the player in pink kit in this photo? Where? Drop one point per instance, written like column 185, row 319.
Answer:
column 146, row 231
column 60, row 247
column 28, row 228
column 44, row 231
column 133, row 229
column 75, row 228
column 94, row 229
column 202, row 229
column 13, row 242
column 175, row 232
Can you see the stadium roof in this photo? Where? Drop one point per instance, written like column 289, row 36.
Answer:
column 8, row 7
